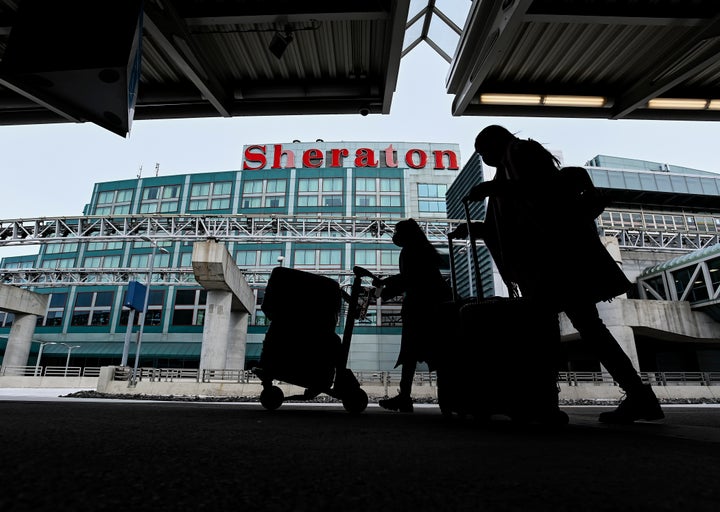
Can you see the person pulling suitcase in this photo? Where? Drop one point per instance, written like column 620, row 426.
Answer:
column 526, row 195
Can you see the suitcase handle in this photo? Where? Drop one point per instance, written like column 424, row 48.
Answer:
column 473, row 249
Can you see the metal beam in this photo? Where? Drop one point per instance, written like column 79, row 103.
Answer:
column 171, row 34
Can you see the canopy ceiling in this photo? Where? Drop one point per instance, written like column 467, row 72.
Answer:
column 614, row 59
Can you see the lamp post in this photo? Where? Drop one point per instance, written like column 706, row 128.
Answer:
column 42, row 346
column 70, row 349
column 151, row 264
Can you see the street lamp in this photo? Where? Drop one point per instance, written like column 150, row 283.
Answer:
column 70, row 349
column 151, row 264
column 42, row 346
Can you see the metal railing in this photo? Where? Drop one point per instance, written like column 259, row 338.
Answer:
column 50, row 371
column 383, row 378
column 388, row 378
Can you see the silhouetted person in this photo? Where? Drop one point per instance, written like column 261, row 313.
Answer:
column 423, row 289
column 526, row 200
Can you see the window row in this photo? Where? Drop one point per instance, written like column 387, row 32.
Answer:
column 317, row 258
column 270, row 193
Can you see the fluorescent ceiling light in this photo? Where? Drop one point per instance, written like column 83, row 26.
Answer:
column 537, row 99
column 678, row 103
column 511, row 99
column 574, row 101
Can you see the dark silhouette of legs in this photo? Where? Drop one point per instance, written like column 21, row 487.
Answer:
column 403, row 401
column 640, row 401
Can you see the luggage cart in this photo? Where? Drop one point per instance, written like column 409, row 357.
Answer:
column 315, row 358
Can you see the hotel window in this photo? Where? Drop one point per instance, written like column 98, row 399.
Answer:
column 143, row 260
column 210, row 196
column 186, row 259
column 189, row 307
column 55, row 311
column 102, row 262
column 104, row 246
column 156, row 300
column 377, row 258
column 431, row 197
column 60, row 248
column 161, row 199
column 59, row 263
column 264, row 194
column 377, row 192
column 266, row 258
column 92, row 308
column 317, row 258
column 114, row 202
column 320, row 192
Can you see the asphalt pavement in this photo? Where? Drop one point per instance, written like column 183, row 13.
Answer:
column 78, row 454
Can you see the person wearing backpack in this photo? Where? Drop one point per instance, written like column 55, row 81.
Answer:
column 528, row 198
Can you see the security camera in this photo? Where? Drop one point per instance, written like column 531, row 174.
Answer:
column 364, row 111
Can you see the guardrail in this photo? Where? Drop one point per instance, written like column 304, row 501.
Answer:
column 50, row 371
column 384, row 378
column 387, row 378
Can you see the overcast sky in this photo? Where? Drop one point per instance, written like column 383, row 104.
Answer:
column 49, row 170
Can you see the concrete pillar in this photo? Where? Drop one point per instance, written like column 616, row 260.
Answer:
column 19, row 340
column 217, row 330
column 26, row 306
column 238, row 339
column 229, row 302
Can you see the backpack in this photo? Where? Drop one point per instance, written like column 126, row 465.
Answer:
column 584, row 198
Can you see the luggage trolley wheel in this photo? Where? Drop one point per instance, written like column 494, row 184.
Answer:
column 355, row 400
column 271, row 397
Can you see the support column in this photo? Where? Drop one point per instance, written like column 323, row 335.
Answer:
column 626, row 339
column 229, row 303
column 217, row 330
column 238, row 339
column 19, row 340
column 26, row 306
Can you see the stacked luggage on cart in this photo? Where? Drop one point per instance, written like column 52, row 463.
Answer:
column 301, row 346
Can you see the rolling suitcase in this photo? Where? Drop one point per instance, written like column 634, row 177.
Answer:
column 502, row 358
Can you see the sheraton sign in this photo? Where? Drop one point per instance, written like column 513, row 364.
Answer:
column 256, row 157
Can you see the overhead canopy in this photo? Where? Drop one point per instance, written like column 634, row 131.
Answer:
column 216, row 58
column 615, row 59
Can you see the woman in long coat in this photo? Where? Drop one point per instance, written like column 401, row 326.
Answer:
column 424, row 290
column 529, row 198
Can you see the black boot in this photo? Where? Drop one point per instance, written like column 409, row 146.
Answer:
column 640, row 404
column 400, row 403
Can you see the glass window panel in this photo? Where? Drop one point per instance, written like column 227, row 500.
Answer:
column 198, row 204
column 151, row 193
column 169, row 206
column 58, row 300
column 124, row 195
column 269, row 257
column 171, row 191
column 104, row 299
column 185, row 297
column 252, row 187
column 122, row 209
column 245, row 258
column 200, row 189
column 106, row 197
column 219, row 204
column 222, row 188
column 83, row 300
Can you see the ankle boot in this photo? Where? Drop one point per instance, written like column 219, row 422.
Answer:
column 638, row 404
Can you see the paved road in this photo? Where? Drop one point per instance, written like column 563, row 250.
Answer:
column 96, row 455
